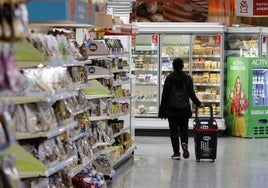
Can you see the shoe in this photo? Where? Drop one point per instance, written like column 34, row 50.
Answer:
column 176, row 156
column 186, row 153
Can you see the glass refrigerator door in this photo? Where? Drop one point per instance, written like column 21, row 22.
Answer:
column 173, row 46
column 259, row 87
column 242, row 45
column 145, row 70
column 206, row 72
column 264, row 46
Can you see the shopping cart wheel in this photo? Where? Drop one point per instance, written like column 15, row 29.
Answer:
column 213, row 160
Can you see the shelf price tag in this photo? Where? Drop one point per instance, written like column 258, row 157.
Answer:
column 154, row 39
column 133, row 38
column 217, row 39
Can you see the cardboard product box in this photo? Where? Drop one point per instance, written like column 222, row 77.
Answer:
column 103, row 20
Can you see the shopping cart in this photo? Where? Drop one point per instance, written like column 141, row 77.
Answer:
column 205, row 136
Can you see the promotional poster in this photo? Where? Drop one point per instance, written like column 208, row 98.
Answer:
column 247, row 97
column 237, row 96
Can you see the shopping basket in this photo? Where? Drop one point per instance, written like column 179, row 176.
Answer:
column 205, row 136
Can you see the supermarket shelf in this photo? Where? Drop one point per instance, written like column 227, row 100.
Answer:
column 206, row 56
column 128, row 153
column 57, row 167
column 210, row 100
column 68, row 124
column 125, row 69
column 121, row 82
column 144, row 55
column 121, row 99
column 112, row 138
column 77, row 63
column 81, row 135
column 120, row 132
column 98, row 118
column 206, row 70
column 98, row 56
column 30, row 64
column 171, row 57
column 145, row 84
column 206, row 84
column 58, row 24
column 144, row 69
column 82, row 110
column 145, row 100
column 22, row 100
column 51, row 97
column 104, row 143
column 77, row 86
column 115, row 116
column 92, row 77
column 61, row 96
column 98, row 96
column 80, row 167
column 109, row 176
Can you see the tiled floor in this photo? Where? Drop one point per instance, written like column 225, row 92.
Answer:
column 240, row 163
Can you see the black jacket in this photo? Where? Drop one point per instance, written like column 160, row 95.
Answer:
column 177, row 78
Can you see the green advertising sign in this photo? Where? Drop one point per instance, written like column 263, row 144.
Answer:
column 237, row 101
column 247, row 97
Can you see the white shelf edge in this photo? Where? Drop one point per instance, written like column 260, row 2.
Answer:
column 62, row 129
column 112, row 138
column 145, row 100
column 114, row 116
column 206, row 84
column 104, row 143
column 49, row 134
column 80, row 167
column 96, row 76
column 98, row 96
column 125, row 69
column 98, row 118
column 59, row 166
column 120, row 132
column 61, row 96
column 51, row 96
column 127, row 153
column 122, row 99
column 121, row 82
column 80, row 135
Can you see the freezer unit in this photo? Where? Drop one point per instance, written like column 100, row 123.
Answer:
column 152, row 56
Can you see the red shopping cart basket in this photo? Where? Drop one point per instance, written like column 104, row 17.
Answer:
column 205, row 136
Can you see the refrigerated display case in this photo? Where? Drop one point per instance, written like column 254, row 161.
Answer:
column 145, row 68
column 246, row 41
column 247, row 96
column 201, row 48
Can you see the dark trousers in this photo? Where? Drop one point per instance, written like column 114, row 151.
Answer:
column 178, row 127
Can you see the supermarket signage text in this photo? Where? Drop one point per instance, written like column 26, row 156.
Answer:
column 259, row 112
column 238, row 65
column 251, row 8
column 259, row 62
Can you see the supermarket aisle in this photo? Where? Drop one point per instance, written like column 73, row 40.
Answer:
column 240, row 163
